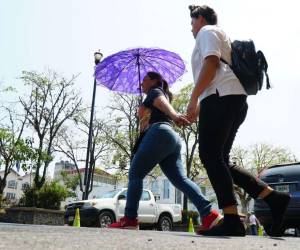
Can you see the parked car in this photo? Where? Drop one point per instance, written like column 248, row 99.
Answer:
column 110, row 208
column 285, row 178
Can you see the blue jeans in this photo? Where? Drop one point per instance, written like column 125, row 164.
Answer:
column 253, row 229
column 161, row 145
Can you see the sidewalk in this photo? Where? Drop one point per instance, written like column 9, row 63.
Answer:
column 17, row 236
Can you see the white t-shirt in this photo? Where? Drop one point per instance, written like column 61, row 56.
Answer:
column 252, row 219
column 211, row 40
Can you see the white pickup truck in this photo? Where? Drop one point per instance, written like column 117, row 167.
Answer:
column 110, row 207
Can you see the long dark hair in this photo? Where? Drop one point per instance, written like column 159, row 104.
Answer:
column 161, row 82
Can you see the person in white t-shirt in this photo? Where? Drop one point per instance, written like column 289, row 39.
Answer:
column 220, row 100
column 254, row 223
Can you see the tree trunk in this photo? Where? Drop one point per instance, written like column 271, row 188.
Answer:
column 39, row 183
column 188, row 172
column 2, row 185
column 185, row 201
column 185, row 208
column 3, row 180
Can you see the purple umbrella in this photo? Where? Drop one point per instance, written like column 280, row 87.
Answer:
column 123, row 71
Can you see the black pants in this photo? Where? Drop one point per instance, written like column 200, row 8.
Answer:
column 219, row 120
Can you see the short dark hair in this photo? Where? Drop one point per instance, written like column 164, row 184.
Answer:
column 206, row 12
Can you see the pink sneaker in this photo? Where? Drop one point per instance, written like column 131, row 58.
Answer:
column 125, row 223
column 209, row 221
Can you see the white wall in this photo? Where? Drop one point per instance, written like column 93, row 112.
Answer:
column 17, row 190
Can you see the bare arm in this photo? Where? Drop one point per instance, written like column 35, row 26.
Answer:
column 164, row 106
column 206, row 75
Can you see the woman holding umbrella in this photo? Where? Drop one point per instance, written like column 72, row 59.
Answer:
column 161, row 145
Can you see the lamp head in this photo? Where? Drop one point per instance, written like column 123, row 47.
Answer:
column 98, row 56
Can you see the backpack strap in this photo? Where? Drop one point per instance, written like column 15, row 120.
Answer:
column 264, row 66
column 230, row 66
column 222, row 60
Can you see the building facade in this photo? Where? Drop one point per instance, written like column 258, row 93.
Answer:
column 15, row 185
column 62, row 166
column 102, row 181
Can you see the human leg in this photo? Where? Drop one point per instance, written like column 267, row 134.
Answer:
column 172, row 167
column 241, row 177
column 214, row 128
column 215, row 123
column 255, row 187
column 253, row 229
column 151, row 150
column 140, row 166
column 155, row 146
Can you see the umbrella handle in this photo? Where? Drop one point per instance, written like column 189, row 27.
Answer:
column 140, row 87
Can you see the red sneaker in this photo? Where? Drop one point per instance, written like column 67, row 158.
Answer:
column 125, row 223
column 209, row 221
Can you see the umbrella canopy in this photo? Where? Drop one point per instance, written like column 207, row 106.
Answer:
column 124, row 71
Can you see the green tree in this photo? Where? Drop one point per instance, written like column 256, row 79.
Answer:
column 13, row 149
column 73, row 144
column 121, row 129
column 52, row 101
column 189, row 136
column 71, row 182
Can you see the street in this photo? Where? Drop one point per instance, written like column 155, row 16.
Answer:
column 20, row 236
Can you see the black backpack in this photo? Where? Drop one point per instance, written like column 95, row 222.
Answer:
column 248, row 65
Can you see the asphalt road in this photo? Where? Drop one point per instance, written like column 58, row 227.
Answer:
column 25, row 237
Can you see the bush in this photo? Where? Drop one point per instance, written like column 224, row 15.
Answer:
column 49, row 196
column 6, row 202
column 186, row 215
column 29, row 198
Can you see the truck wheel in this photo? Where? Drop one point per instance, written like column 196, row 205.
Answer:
column 165, row 223
column 106, row 218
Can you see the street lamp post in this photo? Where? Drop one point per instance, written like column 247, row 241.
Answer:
column 88, row 166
